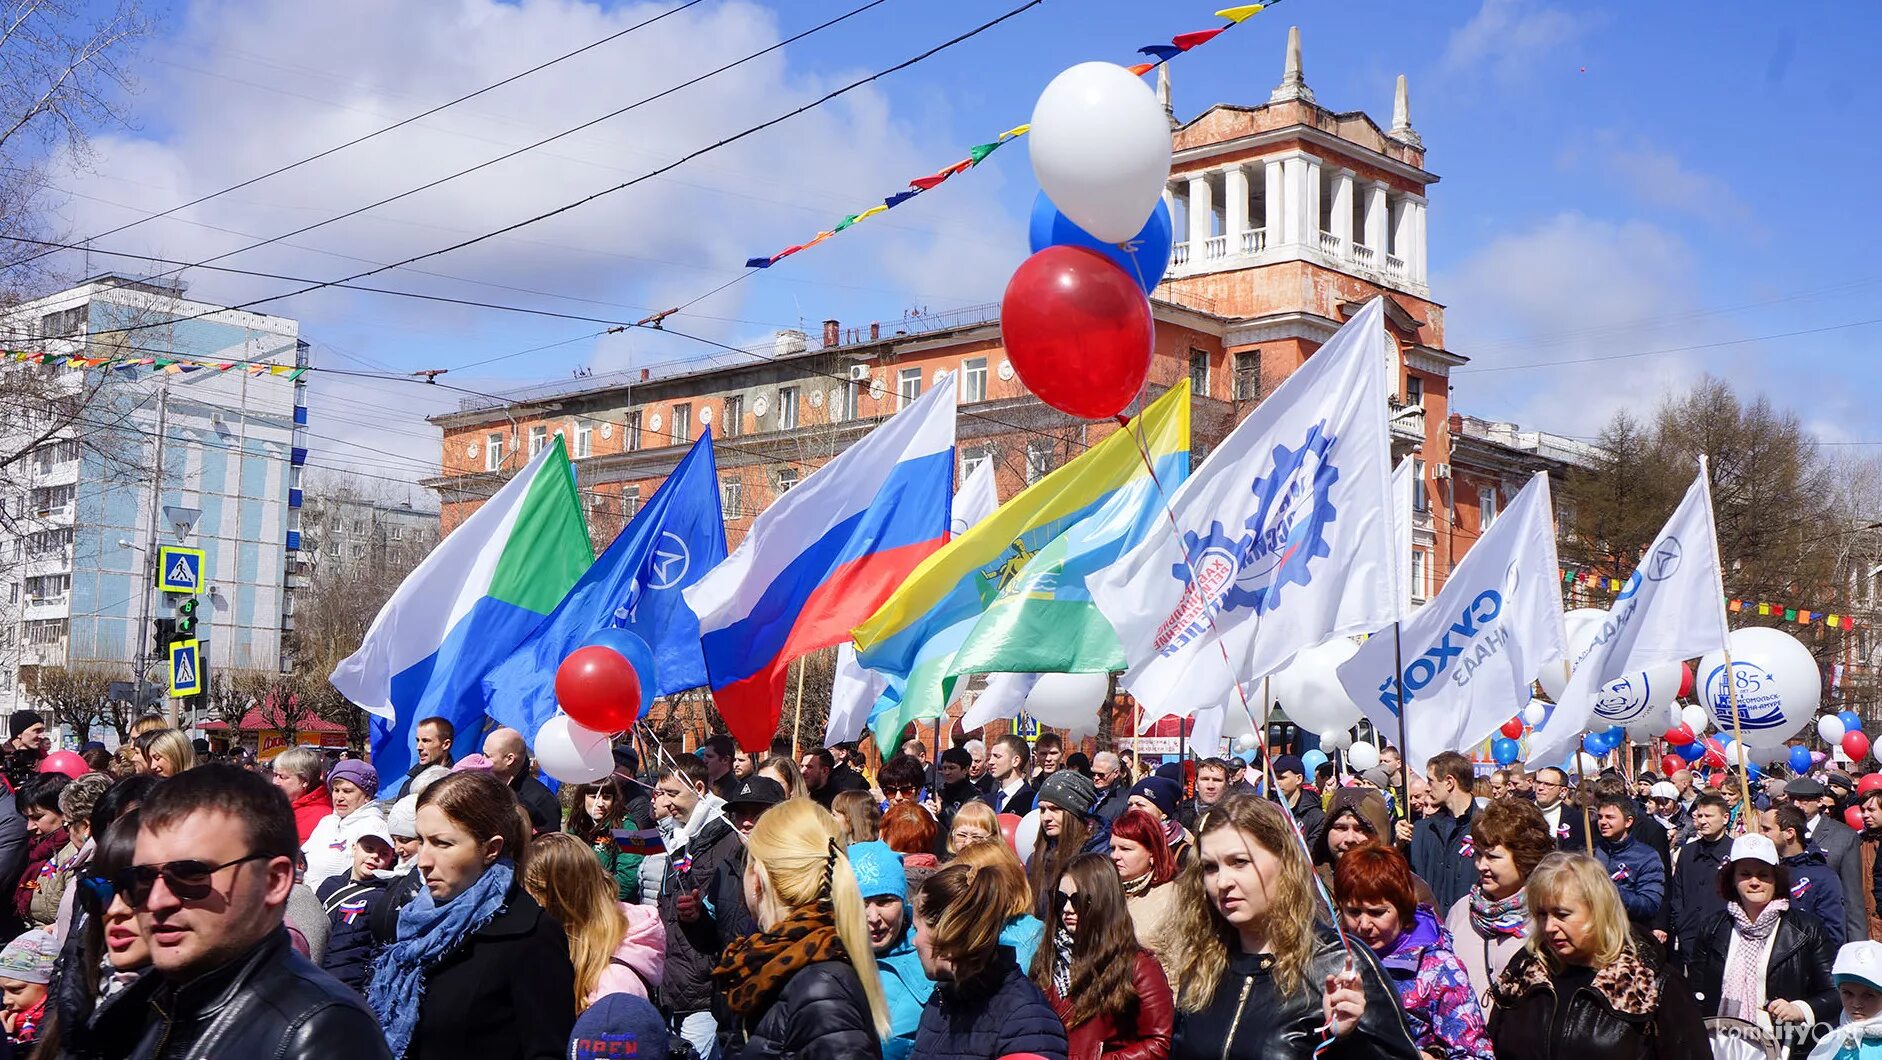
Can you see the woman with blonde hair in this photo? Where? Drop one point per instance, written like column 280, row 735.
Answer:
column 974, row 822
column 858, row 818
column 167, row 752
column 786, row 772
column 1580, row 986
column 1259, row 972
column 806, row 984
column 1019, row 928
column 616, row 948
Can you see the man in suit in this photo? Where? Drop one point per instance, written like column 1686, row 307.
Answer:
column 1839, row 844
column 1006, row 764
column 1565, row 821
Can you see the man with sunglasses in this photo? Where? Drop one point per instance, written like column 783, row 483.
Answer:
column 209, row 880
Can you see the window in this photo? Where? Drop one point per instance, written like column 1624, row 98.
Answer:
column 52, row 454
column 584, row 439
column 63, row 322
column 538, row 437
column 630, row 501
column 1418, row 574
column 1486, row 506
column 1038, row 461
column 45, row 631
column 1248, row 375
column 732, row 424
column 970, row 463
column 493, row 452
column 787, row 408
column 52, row 500
column 973, row 379
column 48, row 588
column 731, row 496
column 1199, row 372
column 48, row 543
column 787, row 478
column 632, row 431
column 1420, row 502
column 907, row 387
column 682, row 424
column 1414, row 390
column 396, row 532
column 852, row 392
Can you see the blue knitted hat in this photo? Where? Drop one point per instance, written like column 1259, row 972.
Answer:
column 878, row 870
column 619, row 1025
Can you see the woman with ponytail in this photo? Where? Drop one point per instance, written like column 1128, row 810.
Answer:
column 805, row 985
column 983, row 1006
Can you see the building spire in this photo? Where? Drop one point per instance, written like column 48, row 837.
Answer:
column 1163, row 92
column 1401, row 116
column 1293, row 83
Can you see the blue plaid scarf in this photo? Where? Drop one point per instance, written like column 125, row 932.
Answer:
column 428, row 932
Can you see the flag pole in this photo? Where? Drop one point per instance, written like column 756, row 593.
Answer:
column 1398, row 680
column 1587, row 820
column 1731, row 678
column 797, row 725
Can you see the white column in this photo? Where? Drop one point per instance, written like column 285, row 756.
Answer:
column 1310, row 234
column 1295, row 220
column 1343, row 208
column 1235, row 206
column 1375, row 218
column 1415, row 258
column 1273, row 197
column 1201, row 209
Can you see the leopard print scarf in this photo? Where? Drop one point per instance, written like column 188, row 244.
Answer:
column 755, row 968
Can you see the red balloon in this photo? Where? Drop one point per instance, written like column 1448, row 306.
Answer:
column 1672, row 764
column 1853, row 817
column 1856, row 746
column 1009, row 830
column 1680, row 735
column 1713, row 759
column 67, row 762
column 1078, row 331
column 1870, row 782
column 598, row 688
column 1715, row 780
column 1685, row 681
column 1513, row 728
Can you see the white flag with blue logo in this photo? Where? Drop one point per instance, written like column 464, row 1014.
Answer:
column 1287, row 537
column 1470, row 655
column 1671, row 609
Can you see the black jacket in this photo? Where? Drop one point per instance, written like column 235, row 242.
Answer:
column 384, row 915
column 509, row 992
column 1693, row 899
column 1267, row 1025
column 1634, row 1009
column 1571, row 831
column 842, row 779
column 270, row 1002
column 545, row 813
column 1113, row 801
column 1840, row 847
column 821, row 1014
column 350, row 943
column 1307, row 813
column 953, row 797
column 686, row 985
column 1437, row 854
column 1019, row 805
column 1798, row 968
column 996, row 1013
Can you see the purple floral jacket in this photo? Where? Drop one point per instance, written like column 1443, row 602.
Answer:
column 1441, row 1010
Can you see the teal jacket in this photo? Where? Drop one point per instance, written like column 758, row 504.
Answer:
column 906, row 987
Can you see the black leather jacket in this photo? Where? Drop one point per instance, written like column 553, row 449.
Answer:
column 269, row 1004
column 1797, row 968
column 1634, row 1009
column 1248, row 1019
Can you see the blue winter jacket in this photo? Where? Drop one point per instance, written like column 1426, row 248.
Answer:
column 907, row 988
column 351, row 946
column 1816, row 889
column 1638, row 874
column 1023, row 934
column 998, row 1013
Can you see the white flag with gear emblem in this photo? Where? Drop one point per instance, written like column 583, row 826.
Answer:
column 1671, row 609
column 1469, row 656
column 1287, row 537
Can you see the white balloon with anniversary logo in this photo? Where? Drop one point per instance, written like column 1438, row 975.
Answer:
column 1644, row 694
column 1779, row 686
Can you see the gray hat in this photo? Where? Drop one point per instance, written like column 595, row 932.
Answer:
column 1804, row 787
column 403, row 819
column 1069, row 789
column 1378, row 777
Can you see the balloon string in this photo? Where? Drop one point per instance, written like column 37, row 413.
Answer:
column 674, row 766
column 1267, row 761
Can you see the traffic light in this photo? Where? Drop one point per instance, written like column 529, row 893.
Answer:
column 164, row 632
column 186, row 618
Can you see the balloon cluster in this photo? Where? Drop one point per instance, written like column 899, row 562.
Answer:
column 1843, row 729
column 601, row 688
column 1075, row 318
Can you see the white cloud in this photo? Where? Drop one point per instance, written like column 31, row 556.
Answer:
column 1657, row 178
column 1507, row 38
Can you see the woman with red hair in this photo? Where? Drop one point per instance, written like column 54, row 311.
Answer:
column 909, row 831
column 1372, row 885
column 1144, row 863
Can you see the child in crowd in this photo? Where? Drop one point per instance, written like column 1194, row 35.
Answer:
column 25, row 969
column 348, row 901
column 1858, row 976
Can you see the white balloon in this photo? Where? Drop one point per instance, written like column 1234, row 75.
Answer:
column 1362, row 756
column 1339, row 741
column 1589, row 764
column 1309, row 689
column 1778, row 683
column 1695, row 717
column 1830, row 728
column 1580, row 625
column 1068, row 701
column 1100, row 145
column 572, row 754
column 1535, row 712
column 1026, row 836
column 1246, row 742
column 1633, row 696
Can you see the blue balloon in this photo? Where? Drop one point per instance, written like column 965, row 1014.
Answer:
column 1313, row 760
column 637, row 654
column 1800, row 760
column 1691, row 752
column 1852, row 721
column 1505, row 750
column 1595, row 744
column 1146, row 263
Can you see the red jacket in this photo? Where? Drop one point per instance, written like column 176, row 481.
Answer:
column 1102, row 1038
column 310, row 808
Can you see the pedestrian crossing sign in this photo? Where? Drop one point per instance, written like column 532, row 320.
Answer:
column 186, row 671
column 179, row 570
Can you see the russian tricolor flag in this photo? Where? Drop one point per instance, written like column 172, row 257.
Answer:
column 823, row 558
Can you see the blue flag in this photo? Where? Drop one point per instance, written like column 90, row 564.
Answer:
column 635, row 585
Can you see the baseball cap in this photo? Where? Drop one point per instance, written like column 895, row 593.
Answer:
column 375, row 827
column 1754, row 848
column 1289, row 764
column 757, row 791
column 1663, row 790
column 1859, row 961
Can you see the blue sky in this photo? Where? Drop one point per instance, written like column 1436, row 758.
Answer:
column 1617, row 179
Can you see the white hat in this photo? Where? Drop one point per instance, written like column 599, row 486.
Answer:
column 1663, row 790
column 402, row 819
column 1754, row 848
column 1861, row 961
column 376, row 829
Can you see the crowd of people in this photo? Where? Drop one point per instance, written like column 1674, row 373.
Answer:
column 997, row 900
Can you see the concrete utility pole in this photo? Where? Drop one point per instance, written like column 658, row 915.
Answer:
column 150, row 552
